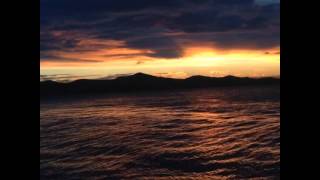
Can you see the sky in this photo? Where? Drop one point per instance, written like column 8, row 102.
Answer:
column 170, row 38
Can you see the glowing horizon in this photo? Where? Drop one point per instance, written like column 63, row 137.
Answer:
column 196, row 61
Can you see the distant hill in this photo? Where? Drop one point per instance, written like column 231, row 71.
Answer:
column 145, row 82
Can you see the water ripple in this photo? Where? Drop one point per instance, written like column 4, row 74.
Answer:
column 202, row 134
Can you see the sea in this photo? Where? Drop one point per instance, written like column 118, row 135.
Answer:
column 215, row 133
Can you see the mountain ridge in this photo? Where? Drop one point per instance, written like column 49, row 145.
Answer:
column 146, row 82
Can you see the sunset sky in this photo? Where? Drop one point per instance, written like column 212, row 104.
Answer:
column 171, row 38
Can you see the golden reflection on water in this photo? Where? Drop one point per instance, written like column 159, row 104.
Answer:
column 205, row 134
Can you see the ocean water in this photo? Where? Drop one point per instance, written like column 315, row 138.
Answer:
column 223, row 133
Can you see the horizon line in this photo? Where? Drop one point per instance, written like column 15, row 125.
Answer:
column 114, row 77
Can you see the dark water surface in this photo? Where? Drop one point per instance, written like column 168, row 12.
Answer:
column 225, row 133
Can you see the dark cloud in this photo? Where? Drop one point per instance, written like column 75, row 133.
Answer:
column 50, row 42
column 147, row 24
column 245, row 40
column 233, row 2
column 55, row 58
column 162, row 46
column 206, row 22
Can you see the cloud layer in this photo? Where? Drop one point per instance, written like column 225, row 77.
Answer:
column 158, row 28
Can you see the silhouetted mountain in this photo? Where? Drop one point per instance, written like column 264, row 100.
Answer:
column 145, row 82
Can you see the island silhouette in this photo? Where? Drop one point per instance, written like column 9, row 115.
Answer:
column 145, row 82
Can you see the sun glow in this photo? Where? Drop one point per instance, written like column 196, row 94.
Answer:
column 195, row 61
